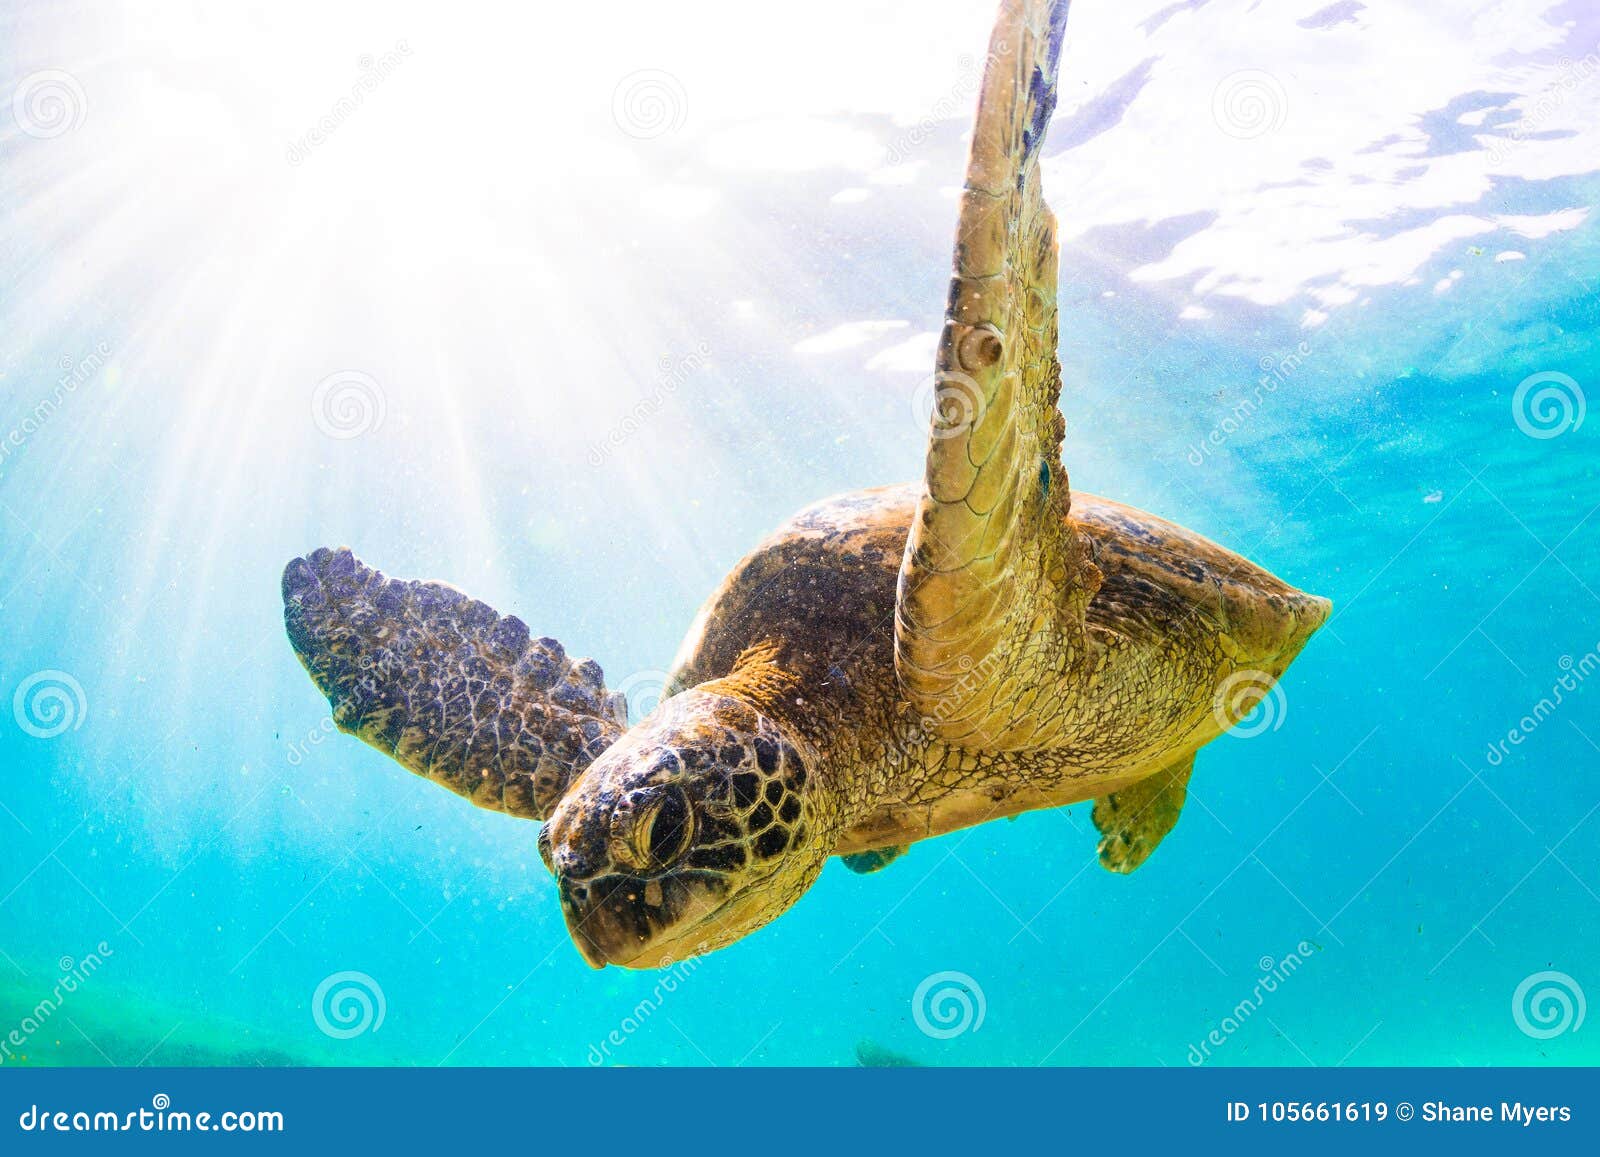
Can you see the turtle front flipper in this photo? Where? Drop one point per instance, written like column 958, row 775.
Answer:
column 990, row 622
column 1131, row 822
column 451, row 689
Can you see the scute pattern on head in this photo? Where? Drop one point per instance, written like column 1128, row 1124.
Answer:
column 704, row 803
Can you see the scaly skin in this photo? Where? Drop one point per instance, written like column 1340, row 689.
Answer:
column 1176, row 615
column 890, row 665
column 996, row 576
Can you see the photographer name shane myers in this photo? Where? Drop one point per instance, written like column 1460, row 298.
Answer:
column 1513, row 1113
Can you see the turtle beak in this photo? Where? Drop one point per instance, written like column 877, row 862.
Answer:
column 596, row 912
column 636, row 923
column 588, row 949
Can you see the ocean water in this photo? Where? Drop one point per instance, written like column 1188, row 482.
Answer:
column 573, row 329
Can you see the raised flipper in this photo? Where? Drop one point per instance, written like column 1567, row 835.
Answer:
column 990, row 619
column 875, row 860
column 452, row 690
column 1131, row 822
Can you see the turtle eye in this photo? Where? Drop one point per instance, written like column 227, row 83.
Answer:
column 654, row 830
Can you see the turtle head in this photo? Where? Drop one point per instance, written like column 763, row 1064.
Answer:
column 695, row 828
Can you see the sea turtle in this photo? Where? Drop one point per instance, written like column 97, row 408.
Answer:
column 890, row 665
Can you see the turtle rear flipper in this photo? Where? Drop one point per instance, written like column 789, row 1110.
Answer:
column 1134, row 820
column 451, row 689
column 876, row 860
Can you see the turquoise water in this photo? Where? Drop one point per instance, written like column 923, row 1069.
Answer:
column 585, row 355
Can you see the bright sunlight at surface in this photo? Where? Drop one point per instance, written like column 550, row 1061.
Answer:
column 569, row 308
